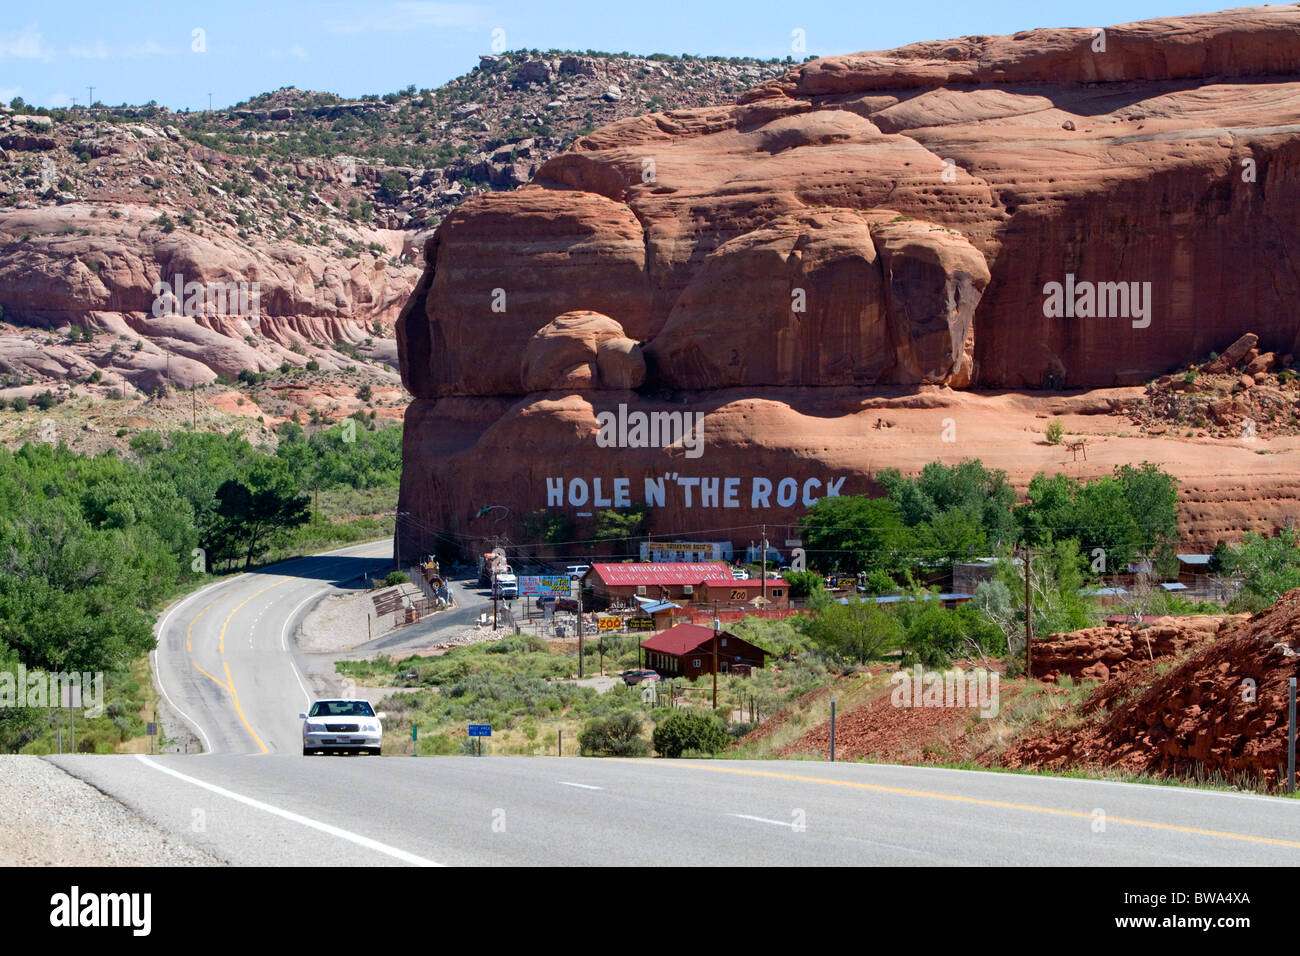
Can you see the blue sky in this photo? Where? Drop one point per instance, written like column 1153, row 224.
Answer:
column 134, row 52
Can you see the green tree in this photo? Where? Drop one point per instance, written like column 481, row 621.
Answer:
column 855, row 630
column 854, row 533
column 803, row 584
column 1269, row 568
column 684, row 730
column 618, row 735
column 251, row 510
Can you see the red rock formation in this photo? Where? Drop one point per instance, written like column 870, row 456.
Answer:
column 1223, row 711
column 897, row 218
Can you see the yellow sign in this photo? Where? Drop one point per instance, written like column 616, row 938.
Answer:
column 611, row 623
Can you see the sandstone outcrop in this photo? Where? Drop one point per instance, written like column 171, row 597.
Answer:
column 581, row 350
column 1221, row 712
column 889, row 220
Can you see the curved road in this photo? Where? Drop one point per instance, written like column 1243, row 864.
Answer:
column 226, row 662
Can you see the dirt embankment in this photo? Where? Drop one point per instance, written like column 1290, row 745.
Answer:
column 1221, row 712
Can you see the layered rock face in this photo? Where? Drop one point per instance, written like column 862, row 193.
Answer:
column 74, row 264
column 1079, row 208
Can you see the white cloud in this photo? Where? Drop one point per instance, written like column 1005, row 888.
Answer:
column 295, row 52
column 136, row 51
column 397, row 17
column 58, row 101
column 93, row 51
column 27, row 44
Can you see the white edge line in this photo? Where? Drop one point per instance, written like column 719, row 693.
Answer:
column 332, row 830
column 162, row 627
column 160, row 643
column 584, row 786
column 779, row 823
column 284, row 646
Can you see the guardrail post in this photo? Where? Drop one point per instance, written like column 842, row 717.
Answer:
column 1290, row 736
column 832, row 730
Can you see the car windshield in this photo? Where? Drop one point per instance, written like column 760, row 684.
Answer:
column 341, row 708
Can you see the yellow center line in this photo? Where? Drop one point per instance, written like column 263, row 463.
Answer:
column 955, row 798
column 221, row 644
column 239, row 710
column 210, row 677
column 229, row 685
column 189, row 630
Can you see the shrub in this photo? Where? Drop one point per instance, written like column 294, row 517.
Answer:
column 1055, row 432
column 684, row 730
column 616, row 736
column 20, row 404
column 395, row 577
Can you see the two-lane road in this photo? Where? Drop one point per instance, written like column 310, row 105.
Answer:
column 226, row 662
column 350, row 811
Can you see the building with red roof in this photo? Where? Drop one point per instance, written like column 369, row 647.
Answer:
column 701, row 581
column 687, row 651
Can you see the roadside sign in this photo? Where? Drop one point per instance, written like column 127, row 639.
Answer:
column 611, row 623
column 532, row 585
column 640, row 624
column 480, row 730
column 151, row 729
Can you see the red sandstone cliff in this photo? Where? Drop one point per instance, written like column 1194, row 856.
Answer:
column 872, row 220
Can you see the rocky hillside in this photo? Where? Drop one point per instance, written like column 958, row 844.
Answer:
column 1060, row 208
column 323, row 203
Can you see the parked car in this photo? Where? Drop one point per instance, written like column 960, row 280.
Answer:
column 342, row 726
column 740, row 574
column 634, row 677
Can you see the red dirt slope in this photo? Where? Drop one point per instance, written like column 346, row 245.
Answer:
column 1204, row 717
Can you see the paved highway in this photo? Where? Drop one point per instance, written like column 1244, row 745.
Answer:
column 226, row 662
column 537, row 810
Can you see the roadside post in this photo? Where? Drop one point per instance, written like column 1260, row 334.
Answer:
column 832, row 730
column 478, row 732
column 1290, row 736
column 559, row 738
column 71, row 699
column 151, row 728
column 415, row 740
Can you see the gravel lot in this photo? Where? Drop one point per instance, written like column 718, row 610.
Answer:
column 53, row 819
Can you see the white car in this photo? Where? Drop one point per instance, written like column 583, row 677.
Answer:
column 342, row 726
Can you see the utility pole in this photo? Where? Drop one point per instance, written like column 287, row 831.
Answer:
column 494, row 596
column 717, row 626
column 194, row 410
column 580, row 629
column 765, row 565
column 1029, row 622
column 91, row 102
column 209, row 102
